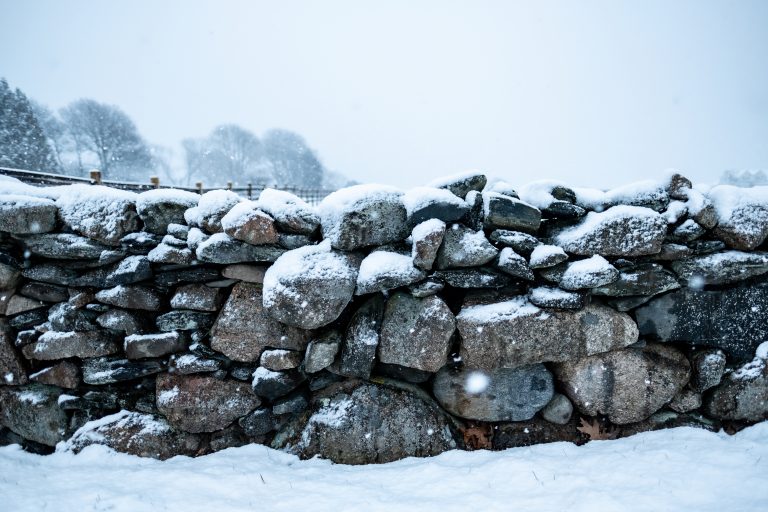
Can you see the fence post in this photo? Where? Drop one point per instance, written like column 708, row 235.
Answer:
column 199, row 187
column 95, row 176
column 154, row 181
column 229, row 185
column 250, row 191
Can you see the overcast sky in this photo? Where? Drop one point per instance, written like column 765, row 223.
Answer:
column 592, row 93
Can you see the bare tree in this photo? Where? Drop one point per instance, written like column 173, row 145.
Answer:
column 229, row 153
column 293, row 162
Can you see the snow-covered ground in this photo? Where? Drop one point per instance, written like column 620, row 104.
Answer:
column 679, row 469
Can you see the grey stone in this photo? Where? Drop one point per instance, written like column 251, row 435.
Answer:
column 280, row 359
column 732, row 319
column 626, row 385
column 515, row 333
column 310, row 287
column 427, row 238
column 131, row 270
column 520, row 242
column 463, row 183
column 463, row 247
column 139, row 242
column 20, row 304
column 322, row 351
column 514, row 264
column 187, row 364
column 545, row 256
column 33, row 412
column 44, row 292
column 700, row 247
column 168, row 255
column 645, row 279
column 504, row 212
column 672, row 252
column 100, row 371
column 131, row 297
column 291, row 213
column 593, row 272
column 162, row 207
column 293, row 240
column 548, row 297
column 64, row 246
column 64, row 374
column 243, row 328
column 474, row 217
column 686, row 400
column 48, row 273
column 211, row 208
column 745, row 226
column 558, row 209
column 258, row 423
column 426, row 288
column 101, row 213
column 721, row 268
column 271, row 385
column 361, row 340
column 196, row 403
column 619, row 231
column 742, row 394
column 559, row 410
column 129, row 322
column 29, row 319
column 178, row 230
column 66, row 317
column 139, row 346
column 24, row 215
column 416, row 333
column 54, row 345
column 12, row 371
column 473, row 278
column 221, row 248
column 181, row 320
column 384, row 270
column 708, row 367
column 503, row 394
column 291, row 404
column 401, row 373
column 688, row 231
column 144, row 435
column 197, row 297
column 424, row 203
column 358, row 216
column 247, row 223
column 9, row 275
column 243, row 272
column 371, row 424
column 190, row 275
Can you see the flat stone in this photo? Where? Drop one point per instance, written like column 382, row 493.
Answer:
column 9, row 275
column 24, row 215
column 20, row 304
column 463, row 247
column 196, row 403
column 385, row 270
column 188, row 364
column 592, row 272
column 131, row 270
column 362, row 216
column 139, row 242
column 425, row 203
column 361, row 340
column 473, row 278
column 140, row 346
column 672, row 252
column 44, row 292
column 28, row 319
column 516, row 333
column 102, row 213
column 54, row 345
column 144, row 435
column 310, row 287
column 427, row 238
column 258, row 423
column 169, row 255
column 131, row 297
column 33, row 412
column 322, row 351
column 181, row 320
column 197, row 297
column 545, row 256
column 66, row 317
column 211, row 208
column 191, row 275
column 505, row 212
column 521, row 243
column 426, row 288
column 732, row 320
column 64, row 246
column 549, row 297
column 244, row 272
column 222, row 249
column 626, row 385
column 645, row 279
column 416, row 333
column 292, row 404
column 64, row 374
column 128, row 322
column 371, row 424
column 513, row 264
column 293, row 240
column 243, row 328
column 161, row 207
column 109, row 371
column 462, row 184
column 280, row 359
column 503, row 394
column 271, row 385
column 291, row 213
column 721, row 268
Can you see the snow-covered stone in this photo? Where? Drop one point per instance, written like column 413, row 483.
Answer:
column 544, row 256
column 223, row 249
column 197, row 297
column 427, row 238
column 247, row 223
column 522, row 243
column 549, row 297
column 384, row 270
column 743, row 393
column 617, row 231
column 100, row 371
column 588, row 273
column 708, row 367
column 742, row 215
column 361, row 340
column 645, row 279
column 128, row 322
column 425, row 203
column 290, row 212
column 102, row 213
column 463, row 247
column 53, row 345
column 130, row 270
column 322, row 351
column 22, row 215
column 211, row 208
column 33, row 412
column 416, row 333
column 272, row 385
column 649, row 194
column 363, row 215
column 64, row 246
column 461, row 184
column 170, row 255
column 280, row 359
column 514, row 333
column 309, row 287
column 131, row 297
column 513, row 264
column 505, row 212
column 502, row 394
column 140, row 346
column 164, row 206
column 721, row 268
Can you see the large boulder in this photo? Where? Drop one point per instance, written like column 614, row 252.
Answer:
column 742, row 215
column 161, row 207
column 618, row 231
column 135, row 433
column 309, row 287
column 727, row 319
column 33, row 412
column 644, row 279
column 24, row 215
column 721, row 268
column 503, row 394
column 416, row 333
column 196, row 403
column 515, row 333
column 101, row 213
column 363, row 215
column 370, row 424
column 243, row 328
column 54, row 345
column 626, row 385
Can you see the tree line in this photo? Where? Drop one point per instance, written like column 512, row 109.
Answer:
column 87, row 135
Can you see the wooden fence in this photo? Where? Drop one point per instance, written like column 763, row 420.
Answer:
column 251, row 190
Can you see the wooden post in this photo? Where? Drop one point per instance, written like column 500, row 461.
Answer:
column 154, row 181
column 95, row 176
column 250, row 191
column 199, row 187
column 229, row 185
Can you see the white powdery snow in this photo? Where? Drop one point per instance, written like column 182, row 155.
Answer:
column 444, row 181
column 501, row 311
column 539, row 193
column 281, row 204
column 728, row 200
column 94, row 207
column 211, row 203
column 166, row 195
column 588, row 273
column 476, row 382
column 542, row 253
column 355, row 198
column 638, row 193
column 549, row 293
column 386, row 265
column 419, row 197
column 594, row 222
column 675, row 470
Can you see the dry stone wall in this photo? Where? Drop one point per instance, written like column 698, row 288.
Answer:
column 381, row 324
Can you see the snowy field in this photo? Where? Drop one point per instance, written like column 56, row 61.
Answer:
column 668, row 470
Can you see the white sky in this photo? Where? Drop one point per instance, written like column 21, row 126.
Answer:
column 593, row 93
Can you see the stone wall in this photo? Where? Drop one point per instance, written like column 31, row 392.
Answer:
column 380, row 324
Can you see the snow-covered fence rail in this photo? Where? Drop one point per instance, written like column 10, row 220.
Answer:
column 380, row 324
column 312, row 196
